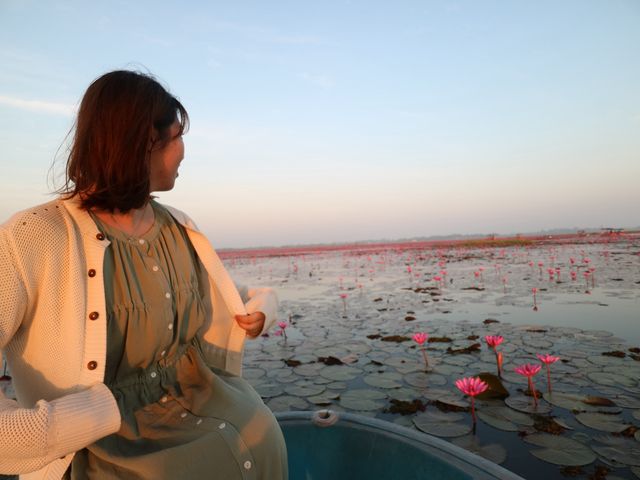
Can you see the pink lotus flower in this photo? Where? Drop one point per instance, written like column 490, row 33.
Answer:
column 282, row 332
column 420, row 338
column 343, row 296
column 472, row 386
column 548, row 360
column 493, row 341
column 529, row 370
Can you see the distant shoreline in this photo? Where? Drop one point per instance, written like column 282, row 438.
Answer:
column 467, row 242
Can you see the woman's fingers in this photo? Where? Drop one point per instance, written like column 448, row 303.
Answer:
column 251, row 323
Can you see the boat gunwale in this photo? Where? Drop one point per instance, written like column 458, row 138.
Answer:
column 477, row 467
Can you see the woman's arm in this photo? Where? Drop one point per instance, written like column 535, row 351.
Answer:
column 30, row 438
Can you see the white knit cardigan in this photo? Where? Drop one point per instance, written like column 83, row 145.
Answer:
column 53, row 333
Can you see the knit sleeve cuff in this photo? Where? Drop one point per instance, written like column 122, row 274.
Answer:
column 263, row 300
column 81, row 418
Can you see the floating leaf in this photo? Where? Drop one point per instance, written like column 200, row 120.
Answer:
column 525, row 404
column 304, row 389
column 384, row 380
column 612, row 379
column 250, row 374
column 496, row 388
column 309, row 370
column 362, row 399
column 269, row 389
column 560, row 450
column 504, row 418
column 442, row 424
column 286, row 403
column 325, row 398
column 446, row 369
column 602, row 422
column 340, row 372
column 493, row 452
column 424, row 380
column 576, row 403
column 618, row 450
column 625, row 401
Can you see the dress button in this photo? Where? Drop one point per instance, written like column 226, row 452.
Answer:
column 163, row 353
column 199, row 421
column 141, row 241
column 164, row 399
column 183, row 415
column 222, row 425
column 100, row 236
column 153, row 374
column 94, row 315
column 170, row 327
column 247, row 465
column 155, row 268
column 168, row 295
column 91, row 273
column 92, row 365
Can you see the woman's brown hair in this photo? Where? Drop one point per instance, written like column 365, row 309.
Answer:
column 122, row 117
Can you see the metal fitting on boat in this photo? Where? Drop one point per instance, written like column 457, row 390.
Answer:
column 324, row 418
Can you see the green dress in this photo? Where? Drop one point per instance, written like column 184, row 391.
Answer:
column 180, row 419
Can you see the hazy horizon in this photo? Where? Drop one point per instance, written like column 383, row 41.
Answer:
column 350, row 120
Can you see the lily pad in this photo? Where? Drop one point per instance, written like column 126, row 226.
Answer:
column 250, row 374
column 618, row 450
column 612, row 379
column 384, row 380
column 525, row 404
column 493, row 452
column 309, row 369
column 442, row 424
column 363, row 400
column 560, row 450
column 424, row 380
column 325, row 398
column 340, row 372
column 304, row 389
column 504, row 418
column 269, row 389
column 286, row 403
column 626, row 401
column 602, row 422
column 576, row 403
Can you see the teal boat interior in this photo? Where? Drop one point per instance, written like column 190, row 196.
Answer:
column 328, row 445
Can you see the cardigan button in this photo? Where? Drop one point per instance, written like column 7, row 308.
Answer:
column 100, row 236
column 91, row 272
column 92, row 365
column 94, row 315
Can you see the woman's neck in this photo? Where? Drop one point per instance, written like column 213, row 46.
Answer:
column 134, row 223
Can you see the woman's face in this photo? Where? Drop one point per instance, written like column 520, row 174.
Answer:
column 165, row 161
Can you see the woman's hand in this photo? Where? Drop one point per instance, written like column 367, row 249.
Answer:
column 252, row 323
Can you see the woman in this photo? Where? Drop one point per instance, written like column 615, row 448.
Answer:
column 122, row 329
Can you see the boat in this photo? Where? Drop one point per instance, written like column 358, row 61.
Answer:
column 327, row 445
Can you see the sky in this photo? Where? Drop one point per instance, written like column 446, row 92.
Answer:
column 341, row 121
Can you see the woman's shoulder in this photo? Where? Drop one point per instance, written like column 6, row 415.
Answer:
column 180, row 216
column 40, row 222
